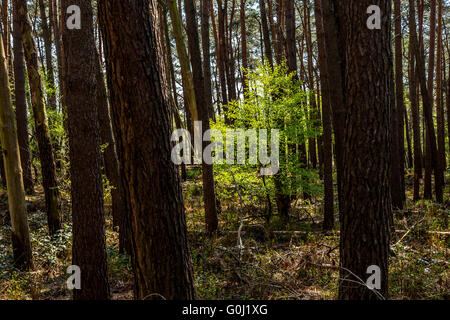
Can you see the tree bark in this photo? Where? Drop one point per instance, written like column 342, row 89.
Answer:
column 430, row 87
column 206, row 47
column 188, row 82
column 398, row 139
column 11, row 159
column 335, row 65
column 89, row 243
column 266, row 36
column 209, row 196
column 161, row 258
column 420, row 70
column 328, row 207
column 366, row 193
column 439, row 102
column 21, row 108
column 50, row 185
column 243, row 47
column 414, row 99
column 47, row 36
column 57, row 40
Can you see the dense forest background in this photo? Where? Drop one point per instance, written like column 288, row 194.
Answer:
column 91, row 91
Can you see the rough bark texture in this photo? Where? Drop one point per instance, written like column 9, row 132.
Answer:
column 11, row 159
column 89, row 244
column 366, row 210
column 21, row 108
column 52, row 200
column 161, row 258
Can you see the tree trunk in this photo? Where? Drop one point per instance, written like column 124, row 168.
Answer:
column 430, row 87
column 279, row 28
column 209, row 196
column 366, row 207
column 312, row 151
column 448, row 105
column 47, row 36
column 408, row 140
column 89, row 243
column 57, row 40
column 21, row 108
column 328, row 207
column 206, row 47
column 415, row 120
column 188, row 82
column 420, row 70
column 266, row 36
column 162, row 266
column 230, row 63
column 398, row 140
column 223, row 56
column 439, row 102
column 110, row 159
column 11, row 159
column 50, row 185
column 243, row 47
column 335, row 65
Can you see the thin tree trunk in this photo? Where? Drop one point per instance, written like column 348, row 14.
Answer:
column 273, row 30
column 328, row 207
column 47, row 36
column 408, row 140
column 420, row 70
column 415, row 121
column 439, row 102
column 51, row 191
column 398, row 139
column 57, row 40
column 223, row 56
column 448, row 105
column 21, row 108
column 243, row 46
column 430, row 87
column 312, row 96
column 279, row 28
column 266, row 36
column 11, row 159
column 206, row 47
column 335, row 65
column 209, row 196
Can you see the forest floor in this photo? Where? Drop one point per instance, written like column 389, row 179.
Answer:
column 273, row 262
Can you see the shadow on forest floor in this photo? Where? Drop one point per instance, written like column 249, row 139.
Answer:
column 274, row 262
